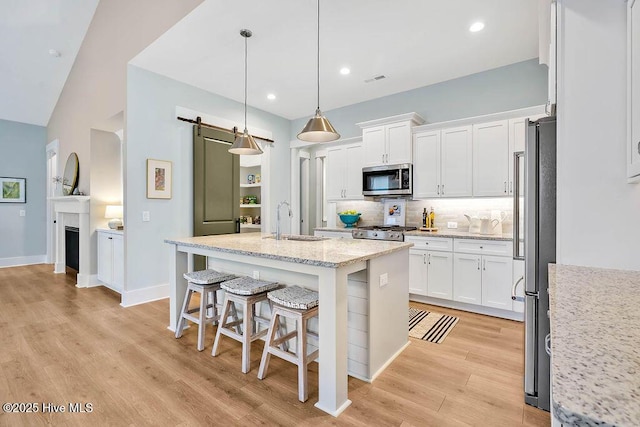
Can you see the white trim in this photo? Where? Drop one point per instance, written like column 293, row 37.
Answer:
column 388, row 362
column 413, row 117
column 504, row 115
column 472, row 308
column 52, row 147
column 337, row 412
column 87, row 281
column 23, row 260
column 145, row 295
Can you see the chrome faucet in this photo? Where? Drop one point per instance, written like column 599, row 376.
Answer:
column 284, row 202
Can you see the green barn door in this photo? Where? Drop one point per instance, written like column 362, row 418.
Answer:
column 216, row 185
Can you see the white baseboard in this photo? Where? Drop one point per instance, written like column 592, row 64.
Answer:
column 23, row 260
column 480, row 309
column 388, row 362
column 141, row 296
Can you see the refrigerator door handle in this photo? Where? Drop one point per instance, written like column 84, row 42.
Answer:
column 516, row 205
column 530, row 347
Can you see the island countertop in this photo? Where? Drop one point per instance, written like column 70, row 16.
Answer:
column 324, row 253
column 594, row 345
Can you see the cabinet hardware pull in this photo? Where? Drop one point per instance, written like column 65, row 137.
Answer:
column 383, row 158
column 478, row 263
column 429, row 259
column 443, row 189
column 110, row 238
column 510, row 186
column 424, row 258
column 638, row 147
column 438, row 188
column 505, row 187
column 484, row 264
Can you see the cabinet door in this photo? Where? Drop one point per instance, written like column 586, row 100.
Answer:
column 440, row 275
column 633, row 92
column 497, row 274
column 491, row 159
column 118, row 262
column 518, row 273
column 374, row 145
column 426, row 165
column 353, row 177
column 457, row 165
column 335, row 173
column 105, row 258
column 398, row 136
column 417, row 272
column 467, row 278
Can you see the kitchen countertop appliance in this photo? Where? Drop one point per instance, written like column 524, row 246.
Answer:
column 534, row 231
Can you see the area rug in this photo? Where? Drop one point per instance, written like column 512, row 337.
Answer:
column 430, row 326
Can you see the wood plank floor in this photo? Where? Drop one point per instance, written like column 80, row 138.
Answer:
column 60, row 344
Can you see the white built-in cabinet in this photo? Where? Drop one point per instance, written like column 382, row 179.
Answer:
column 344, row 172
column 476, row 273
column 443, row 163
column 491, row 158
column 633, row 90
column 111, row 259
column 388, row 141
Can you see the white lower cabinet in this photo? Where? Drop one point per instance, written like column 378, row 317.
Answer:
column 111, row 259
column 467, row 280
column 496, row 282
column 440, row 275
column 431, row 271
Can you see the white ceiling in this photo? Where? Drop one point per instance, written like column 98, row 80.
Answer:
column 30, row 79
column 413, row 42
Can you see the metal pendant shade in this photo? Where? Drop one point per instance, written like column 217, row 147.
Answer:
column 318, row 128
column 244, row 143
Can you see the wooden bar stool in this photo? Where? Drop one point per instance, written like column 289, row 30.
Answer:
column 246, row 292
column 299, row 304
column 206, row 283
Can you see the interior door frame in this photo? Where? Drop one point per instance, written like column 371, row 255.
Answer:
column 52, row 149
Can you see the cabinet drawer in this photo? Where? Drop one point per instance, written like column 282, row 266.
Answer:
column 430, row 243
column 483, row 247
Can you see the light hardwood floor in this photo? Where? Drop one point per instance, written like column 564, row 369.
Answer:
column 60, row 344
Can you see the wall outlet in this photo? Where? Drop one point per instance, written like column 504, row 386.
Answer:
column 23, row 212
column 384, row 279
column 256, row 274
column 146, row 217
column 452, row 224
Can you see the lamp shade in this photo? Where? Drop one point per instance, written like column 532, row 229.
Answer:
column 113, row 211
column 245, row 144
column 318, row 129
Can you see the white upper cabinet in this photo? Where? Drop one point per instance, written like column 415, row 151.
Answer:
column 344, row 172
column 388, row 141
column 491, row 158
column 456, row 162
column 426, row 165
column 633, row 91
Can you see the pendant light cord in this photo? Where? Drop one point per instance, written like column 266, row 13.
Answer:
column 245, row 82
column 318, row 69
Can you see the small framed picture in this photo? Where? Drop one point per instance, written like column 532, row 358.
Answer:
column 158, row 179
column 13, row 190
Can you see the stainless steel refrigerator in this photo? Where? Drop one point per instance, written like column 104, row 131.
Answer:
column 535, row 243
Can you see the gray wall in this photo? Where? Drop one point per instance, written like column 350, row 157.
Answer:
column 511, row 87
column 514, row 86
column 24, row 156
column 152, row 131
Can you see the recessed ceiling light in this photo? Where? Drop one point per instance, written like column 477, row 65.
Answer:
column 476, row 26
column 271, row 97
column 344, row 71
column 54, row 53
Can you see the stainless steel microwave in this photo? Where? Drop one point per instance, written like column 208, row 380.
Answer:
column 387, row 180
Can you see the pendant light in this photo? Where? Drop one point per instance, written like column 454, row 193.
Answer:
column 244, row 143
column 318, row 128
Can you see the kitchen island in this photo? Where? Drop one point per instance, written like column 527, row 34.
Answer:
column 595, row 362
column 371, row 274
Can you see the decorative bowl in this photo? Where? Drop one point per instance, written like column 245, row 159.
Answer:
column 349, row 220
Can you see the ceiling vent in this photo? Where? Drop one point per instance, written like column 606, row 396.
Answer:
column 374, row 78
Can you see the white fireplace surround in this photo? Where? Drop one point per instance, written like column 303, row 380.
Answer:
column 78, row 207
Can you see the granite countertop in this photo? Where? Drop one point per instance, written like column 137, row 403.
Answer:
column 324, row 253
column 595, row 334
column 443, row 233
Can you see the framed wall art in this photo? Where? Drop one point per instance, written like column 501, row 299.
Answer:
column 159, row 179
column 13, row 190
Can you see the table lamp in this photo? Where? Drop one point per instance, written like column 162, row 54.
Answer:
column 114, row 213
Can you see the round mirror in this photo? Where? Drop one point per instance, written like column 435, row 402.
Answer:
column 70, row 177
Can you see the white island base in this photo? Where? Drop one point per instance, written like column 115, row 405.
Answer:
column 363, row 297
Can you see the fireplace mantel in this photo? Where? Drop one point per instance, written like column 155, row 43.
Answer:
column 73, row 205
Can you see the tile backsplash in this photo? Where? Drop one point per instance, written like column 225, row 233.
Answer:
column 446, row 210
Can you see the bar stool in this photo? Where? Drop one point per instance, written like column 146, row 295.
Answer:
column 206, row 283
column 299, row 304
column 246, row 292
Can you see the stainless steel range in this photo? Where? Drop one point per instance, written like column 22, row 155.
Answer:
column 381, row 232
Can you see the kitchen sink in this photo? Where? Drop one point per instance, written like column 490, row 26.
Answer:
column 299, row 238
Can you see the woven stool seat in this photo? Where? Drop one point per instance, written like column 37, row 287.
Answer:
column 248, row 286
column 294, row 297
column 207, row 277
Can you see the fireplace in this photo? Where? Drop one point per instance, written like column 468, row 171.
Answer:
column 73, row 211
column 72, row 248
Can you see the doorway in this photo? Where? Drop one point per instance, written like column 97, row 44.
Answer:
column 304, row 192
